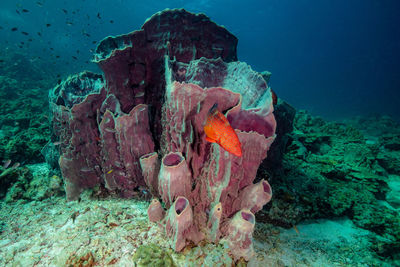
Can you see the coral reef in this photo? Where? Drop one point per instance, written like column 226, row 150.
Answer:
column 332, row 169
column 24, row 122
column 137, row 131
column 24, row 127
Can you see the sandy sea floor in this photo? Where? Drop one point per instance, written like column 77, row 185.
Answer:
column 55, row 232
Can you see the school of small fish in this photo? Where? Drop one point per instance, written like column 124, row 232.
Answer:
column 73, row 17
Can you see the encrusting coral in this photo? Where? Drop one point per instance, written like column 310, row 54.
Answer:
column 152, row 255
column 141, row 126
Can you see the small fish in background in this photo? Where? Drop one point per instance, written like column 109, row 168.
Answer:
column 40, row 4
column 139, row 94
column 111, row 21
column 74, row 57
column 48, row 25
column 218, row 130
column 25, row 33
column 6, row 163
column 64, row 10
column 16, row 165
column 98, row 16
column 25, row 10
column 32, row 60
column 14, row 29
column 17, row 12
column 38, row 33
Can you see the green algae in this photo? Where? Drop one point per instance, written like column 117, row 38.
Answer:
column 152, row 255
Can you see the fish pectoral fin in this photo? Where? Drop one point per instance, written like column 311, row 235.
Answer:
column 210, row 140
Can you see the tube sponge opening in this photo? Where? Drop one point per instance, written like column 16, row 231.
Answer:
column 248, row 216
column 181, row 204
column 172, row 159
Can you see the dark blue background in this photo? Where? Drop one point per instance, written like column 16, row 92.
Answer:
column 335, row 58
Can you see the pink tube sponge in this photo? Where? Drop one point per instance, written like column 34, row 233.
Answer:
column 239, row 234
column 255, row 196
column 174, row 178
column 150, row 166
column 155, row 212
column 179, row 220
column 124, row 139
column 159, row 85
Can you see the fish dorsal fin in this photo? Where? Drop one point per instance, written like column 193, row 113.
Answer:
column 210, row 140
column 213, row 109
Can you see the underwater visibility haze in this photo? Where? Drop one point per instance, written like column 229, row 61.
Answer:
column 199, row 133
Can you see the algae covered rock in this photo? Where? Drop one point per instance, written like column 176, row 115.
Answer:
column 284, row 115
column 30, row 182
column 152, row 255
column 393, row 196
column 8, row 176
column 332, row 169
column 15, row 181
column 384, row 132
column 44, row 183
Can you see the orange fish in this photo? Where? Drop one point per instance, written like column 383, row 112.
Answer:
column 218, row 130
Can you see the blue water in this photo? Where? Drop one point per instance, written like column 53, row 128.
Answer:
column 334, row 58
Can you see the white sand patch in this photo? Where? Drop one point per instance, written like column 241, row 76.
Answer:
column 315, row 243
